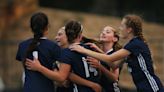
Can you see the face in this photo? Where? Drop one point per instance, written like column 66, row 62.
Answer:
column 123, row 29
column 61, row 38
column 107, row 35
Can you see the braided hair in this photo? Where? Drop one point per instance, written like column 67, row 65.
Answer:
column 135, row 22
column 38, row 23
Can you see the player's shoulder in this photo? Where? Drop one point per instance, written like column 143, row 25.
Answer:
column 49, row 43
column 25, row 42
column 66, row 50
column 70, row 52
column 136, row 42
column 85, row 46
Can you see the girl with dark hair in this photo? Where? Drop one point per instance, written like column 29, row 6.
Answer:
column 41, row 48
column 71, row 62
column 62, row 41
column 137, row 53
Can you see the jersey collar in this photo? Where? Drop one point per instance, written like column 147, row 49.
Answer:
column 109, row 50
column 43, row 37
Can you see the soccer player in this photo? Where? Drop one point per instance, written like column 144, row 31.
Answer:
column 71, row 61
column 109, row 38
column 137, row 53
column 43, row 49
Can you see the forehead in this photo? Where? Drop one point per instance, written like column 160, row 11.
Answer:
column 123, row 21
column 108, row 29
column 61, row 31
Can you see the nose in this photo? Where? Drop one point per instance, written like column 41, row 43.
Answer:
column 119, row 28
column 56, row 37
column 103, row 33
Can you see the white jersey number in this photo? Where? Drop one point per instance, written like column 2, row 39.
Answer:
column 88, row 68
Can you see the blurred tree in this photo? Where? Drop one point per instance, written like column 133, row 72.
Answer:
column 11, row 15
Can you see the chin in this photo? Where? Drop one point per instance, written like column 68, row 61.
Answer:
column 59, row 44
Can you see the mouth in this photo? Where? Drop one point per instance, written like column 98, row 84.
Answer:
column 57, row 41
column 103, row 37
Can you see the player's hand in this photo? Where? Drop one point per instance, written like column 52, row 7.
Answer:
column 33, row 64
column 78, row 48
column 96, row 87
column 94, row 46
column 93, row 62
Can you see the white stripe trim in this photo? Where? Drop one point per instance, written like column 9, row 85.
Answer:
column 43, row 38
column 109, row 51
column 85, row 67
column 75, row 88
column 149, row 77
column 151, row 80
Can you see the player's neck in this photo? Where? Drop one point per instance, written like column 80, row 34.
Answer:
column 75, row 42
column 130, row 37
column 107, row 46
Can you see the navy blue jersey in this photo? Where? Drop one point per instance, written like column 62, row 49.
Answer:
column 107, row 84
column 140, row 65
column 69, row 88
column 64, row 89
column 80, row 67
column 48, row 52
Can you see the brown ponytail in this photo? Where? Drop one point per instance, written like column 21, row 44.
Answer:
column 73, row 30
column 38, row 23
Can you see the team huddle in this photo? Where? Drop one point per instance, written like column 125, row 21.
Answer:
column 74, row 63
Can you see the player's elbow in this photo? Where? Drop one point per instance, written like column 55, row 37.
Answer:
column 115, row 79
column 61, row 79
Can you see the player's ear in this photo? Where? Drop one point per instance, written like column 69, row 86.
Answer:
column 80, row 36
column 115, row 39
column 129, row 30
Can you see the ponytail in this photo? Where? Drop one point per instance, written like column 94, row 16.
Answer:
column 39, row 22
column 73, row 29
column 34, row 43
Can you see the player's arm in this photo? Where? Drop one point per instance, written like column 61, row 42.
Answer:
column 122, row 53
column 95, row 47
column 59, row 76
column 81, row 81
column 112, row 74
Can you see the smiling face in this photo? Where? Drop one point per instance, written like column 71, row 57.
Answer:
column 61, row 38
column 107, row 35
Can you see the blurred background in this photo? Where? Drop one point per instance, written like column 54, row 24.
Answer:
column 93, row 14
